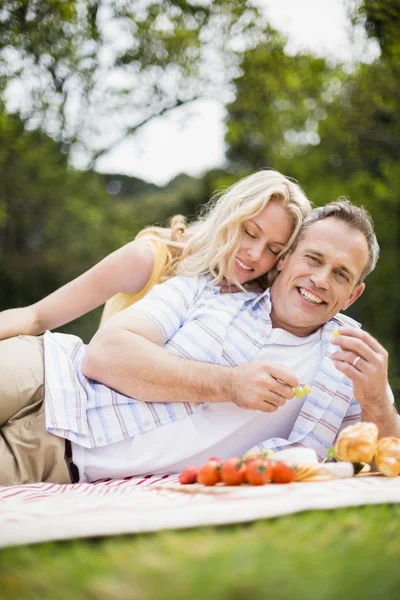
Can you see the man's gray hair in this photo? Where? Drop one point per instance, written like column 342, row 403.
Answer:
column 356, row 217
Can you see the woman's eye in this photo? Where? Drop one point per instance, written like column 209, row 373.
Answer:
column 250, row 234
column 274, row 252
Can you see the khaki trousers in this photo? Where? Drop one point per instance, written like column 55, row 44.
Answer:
column 28, row 453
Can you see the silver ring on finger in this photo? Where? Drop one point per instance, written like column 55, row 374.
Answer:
column 355, row 361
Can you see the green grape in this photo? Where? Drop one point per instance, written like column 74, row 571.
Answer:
column 302, row 390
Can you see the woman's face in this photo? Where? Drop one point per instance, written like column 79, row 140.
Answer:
column 262, row 239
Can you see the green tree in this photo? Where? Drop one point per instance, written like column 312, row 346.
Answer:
column 278, row 106
column 338, row 134
column 93, row 72
column 54, row 223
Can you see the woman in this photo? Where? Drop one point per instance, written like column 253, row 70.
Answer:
column 221, row 242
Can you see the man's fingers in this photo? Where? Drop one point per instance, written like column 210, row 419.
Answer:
column 356, row 375
column 279, row 388
column 354, row 360
column 357, row 346
column 272, row 402
column 352, row 332
column 268, row 407
column 283, row 376
column 275, row 399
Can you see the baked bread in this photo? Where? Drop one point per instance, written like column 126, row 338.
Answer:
column 357, row 443
column 387, row 458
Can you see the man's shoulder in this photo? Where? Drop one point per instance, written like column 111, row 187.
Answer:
column 194, row 283
column 180, row 290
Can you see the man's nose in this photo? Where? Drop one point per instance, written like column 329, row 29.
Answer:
column 320, row 278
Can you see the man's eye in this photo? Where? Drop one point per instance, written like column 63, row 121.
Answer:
column 342, row 275
column 313, row 258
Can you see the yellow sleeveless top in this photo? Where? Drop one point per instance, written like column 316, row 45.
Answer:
column 120, row 301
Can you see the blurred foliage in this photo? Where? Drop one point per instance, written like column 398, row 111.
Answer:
column 338, row 134
column 56, row 222
column 95, row 71
column 381, row 19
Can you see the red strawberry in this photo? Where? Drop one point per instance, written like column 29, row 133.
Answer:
column 209, row 473
column 233, row 471
column 282, row 473
column 188, row 475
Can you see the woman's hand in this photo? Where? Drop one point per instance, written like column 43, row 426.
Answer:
column 18, row 321
column 250, row 286
column 126, row 270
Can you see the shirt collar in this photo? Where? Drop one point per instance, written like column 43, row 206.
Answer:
column 338, row 320
column 265, row 294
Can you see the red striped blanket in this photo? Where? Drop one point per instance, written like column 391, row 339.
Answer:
column 44, row 512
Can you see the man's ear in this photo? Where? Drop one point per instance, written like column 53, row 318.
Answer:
column 281, row 262
column 358, row 290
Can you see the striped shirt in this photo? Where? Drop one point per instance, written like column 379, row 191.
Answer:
column 199, row 323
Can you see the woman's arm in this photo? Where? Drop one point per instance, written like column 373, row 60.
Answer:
column 128, row 269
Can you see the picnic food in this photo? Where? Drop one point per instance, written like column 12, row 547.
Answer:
column 357, row 443
column 210, row 472
column 297, row 456
column 282, row 473
column 188, row 475
column 302, row 390
column 233, row 471
column 251, row 455
column 258, row 471
column 387, row 457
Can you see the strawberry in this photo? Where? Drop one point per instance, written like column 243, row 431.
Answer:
column 209, row 473
column 218, row 460
column 282, row 473
column 233, row 471
column 188, row 475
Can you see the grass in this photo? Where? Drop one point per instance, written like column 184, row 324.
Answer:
column 348, row 554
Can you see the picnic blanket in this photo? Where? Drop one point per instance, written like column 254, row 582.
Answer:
column 43, row 512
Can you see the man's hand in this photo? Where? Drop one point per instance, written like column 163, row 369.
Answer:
column 365, row 362
column 258, row 385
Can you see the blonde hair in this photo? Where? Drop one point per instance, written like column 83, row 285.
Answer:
column 211, row 243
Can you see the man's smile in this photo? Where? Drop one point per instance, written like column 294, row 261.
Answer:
column 309, row 296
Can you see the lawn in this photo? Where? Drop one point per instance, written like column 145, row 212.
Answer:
column 348, row 554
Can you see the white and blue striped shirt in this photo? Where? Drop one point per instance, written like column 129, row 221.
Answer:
column 199, row 323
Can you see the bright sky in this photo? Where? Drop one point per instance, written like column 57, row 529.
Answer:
column 172, row 145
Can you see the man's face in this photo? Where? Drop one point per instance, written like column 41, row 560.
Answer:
column 319, row 278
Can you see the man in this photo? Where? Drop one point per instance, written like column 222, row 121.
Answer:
column 187, row 408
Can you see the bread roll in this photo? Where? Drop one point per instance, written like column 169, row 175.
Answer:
column 357, row 443
column 387, row 458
